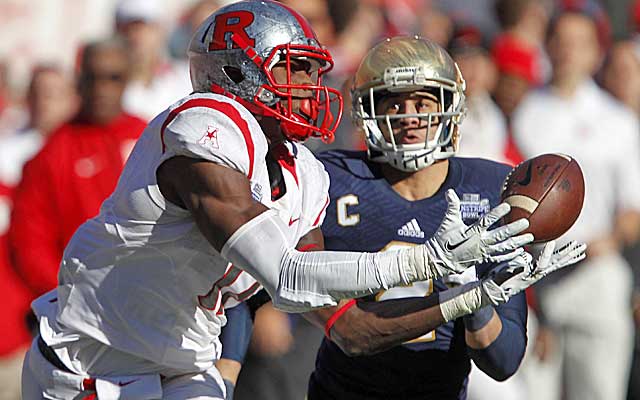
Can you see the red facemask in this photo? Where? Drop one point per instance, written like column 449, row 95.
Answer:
column 314, row 117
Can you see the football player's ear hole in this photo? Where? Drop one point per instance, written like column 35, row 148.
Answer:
column 233, row 73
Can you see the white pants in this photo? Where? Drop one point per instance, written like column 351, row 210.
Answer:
column 41, row 380
column 590, row 313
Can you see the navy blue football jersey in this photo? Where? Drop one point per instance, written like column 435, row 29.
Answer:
column 366, row 214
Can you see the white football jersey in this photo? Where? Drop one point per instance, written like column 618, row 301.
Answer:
column 140, row 277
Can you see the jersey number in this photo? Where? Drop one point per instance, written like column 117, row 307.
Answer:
column 415, row 289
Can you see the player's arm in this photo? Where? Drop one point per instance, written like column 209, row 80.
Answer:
column 372, row 327
column 497, row 337
column 236, row 334
column 253, row 238
column 235, row 338
column 360, row 328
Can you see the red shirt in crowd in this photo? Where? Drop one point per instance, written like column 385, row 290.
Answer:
column 63, row 186
column 15, row 296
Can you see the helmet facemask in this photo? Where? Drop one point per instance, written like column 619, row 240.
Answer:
column 313, row 117
column 437, row 146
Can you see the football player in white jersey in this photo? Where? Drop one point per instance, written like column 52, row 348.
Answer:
column 220, row 177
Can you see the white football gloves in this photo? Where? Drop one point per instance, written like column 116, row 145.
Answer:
column 456, row 246
column 508, row 279
column 517, row 274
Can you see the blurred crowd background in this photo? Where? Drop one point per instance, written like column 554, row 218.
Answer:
column 79, row 80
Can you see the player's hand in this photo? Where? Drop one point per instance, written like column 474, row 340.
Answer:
column 517, row 274
column 456, row 246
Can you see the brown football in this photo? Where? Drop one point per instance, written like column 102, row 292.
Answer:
column 548, row 190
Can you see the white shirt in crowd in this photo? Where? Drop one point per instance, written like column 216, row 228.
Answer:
column 170, row 84
column 15, row 150
column 484, row 130
column 601, row 134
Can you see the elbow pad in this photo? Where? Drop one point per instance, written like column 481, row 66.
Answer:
column 300, row 281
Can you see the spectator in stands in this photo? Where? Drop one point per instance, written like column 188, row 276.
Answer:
column 12, row 116
column 190, row 21
column 434, row 24
column 484, row 127
column 621, row 73
column 51, row 100
column 586, row 338
column 155, row 83
column 357, row 26
column 524, row 20
column 518, row 73
column 78, row 167
column 15, row 337
column 519, row 49
column 621, row 77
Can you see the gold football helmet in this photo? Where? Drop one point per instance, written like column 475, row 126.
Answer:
column 409, row 64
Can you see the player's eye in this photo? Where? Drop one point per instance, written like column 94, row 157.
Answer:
column 393, row 108
column 301, row 65
column 426, row 106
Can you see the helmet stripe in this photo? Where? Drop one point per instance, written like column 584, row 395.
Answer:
column 246, row 47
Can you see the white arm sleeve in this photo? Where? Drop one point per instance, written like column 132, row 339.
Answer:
column 300, row 281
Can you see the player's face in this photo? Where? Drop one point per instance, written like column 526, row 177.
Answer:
column 409, row 129
column 303, row 72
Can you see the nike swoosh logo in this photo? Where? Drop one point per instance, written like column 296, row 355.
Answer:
column 527, row 177
column 450, row 247
column 292, row 221
column 127, row 383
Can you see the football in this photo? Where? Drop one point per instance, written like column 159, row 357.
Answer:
column 548, row 190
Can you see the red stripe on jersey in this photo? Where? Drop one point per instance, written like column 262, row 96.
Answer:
column 286, row 160
column 304, row 24
column 227, row 109
column 291, row 168
column 321, row 211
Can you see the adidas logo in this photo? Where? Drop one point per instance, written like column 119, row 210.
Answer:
column 411, row 229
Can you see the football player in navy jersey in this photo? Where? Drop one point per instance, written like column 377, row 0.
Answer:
column 416, row 342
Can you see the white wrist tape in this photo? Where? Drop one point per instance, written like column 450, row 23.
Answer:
column 300, row 281
column 461, row 301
